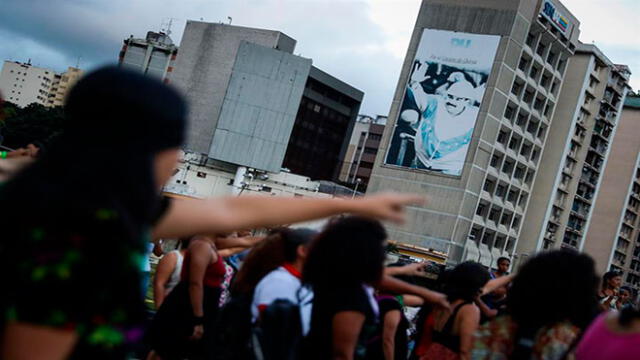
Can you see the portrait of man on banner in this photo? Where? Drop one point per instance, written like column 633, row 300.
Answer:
column 440, row 108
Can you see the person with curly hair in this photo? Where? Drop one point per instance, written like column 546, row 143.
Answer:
column 551, row 302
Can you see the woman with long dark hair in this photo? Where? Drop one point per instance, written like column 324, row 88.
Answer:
column 551, row 302
column 344, row 263
column 449, row 333
column 98, row 187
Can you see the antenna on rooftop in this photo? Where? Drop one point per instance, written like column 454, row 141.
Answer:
column 230, row 19
column 166, row 25
column 78, row 62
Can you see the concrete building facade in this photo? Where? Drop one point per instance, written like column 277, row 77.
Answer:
column 320, row 136
column 256, row 105
column 24, row 84
column 613, row 237
column 62, row 83
column 479, row 214
column 154, row 55
column 575, row 155
column 204, row 67
column 362, row 150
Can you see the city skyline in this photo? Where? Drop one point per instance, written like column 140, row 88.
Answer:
column 370, row 57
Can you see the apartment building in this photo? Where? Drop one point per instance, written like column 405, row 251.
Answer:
column 154, row 55
column 499, row 67
column 613, row 237
column 61, row 85
column 24, row 84
column 576, row 152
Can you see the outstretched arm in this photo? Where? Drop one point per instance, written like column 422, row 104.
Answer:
column 190, row 217
column 390, row 283
column 496, row 283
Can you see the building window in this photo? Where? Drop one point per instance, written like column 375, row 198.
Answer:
column 506, row 218
column 544, row 80
column 525, row 150
column 481, row 209
column 534, row 72
column 509, row 112
column 561, row 65
column 529, row 178
column 523, row 64
column 532, row 128
column 516, row 223
column 548, row 109
column 496, row 161
column 494, row 214
column 551, row 58
column 502, row 137
column 531, row 39
column 519, row 173
column 522, row 119
column 514, row 143
column 528, row 97
column 541, row 49
column 507, row 168
column 539, row 103
column 534, row 155
column 488, row 186
column 375, row 137
column 523, row 200
column 542, row 132
column 516, row 89
column 371, row 151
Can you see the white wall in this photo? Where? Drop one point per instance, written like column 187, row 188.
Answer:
column 24, row 84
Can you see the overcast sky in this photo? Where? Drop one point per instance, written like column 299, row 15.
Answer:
column 361, row 42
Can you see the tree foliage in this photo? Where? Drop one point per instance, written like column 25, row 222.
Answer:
column 33, row 124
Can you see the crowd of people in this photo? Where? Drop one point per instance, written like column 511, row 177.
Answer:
column 77, row 264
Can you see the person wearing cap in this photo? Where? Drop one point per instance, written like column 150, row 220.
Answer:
column 445, row 121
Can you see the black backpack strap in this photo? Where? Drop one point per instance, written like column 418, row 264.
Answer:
column 448, row 326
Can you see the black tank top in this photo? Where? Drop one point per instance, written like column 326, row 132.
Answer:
column 445, row 336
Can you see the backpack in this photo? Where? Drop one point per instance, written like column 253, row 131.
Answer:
column 233, row 330
column 278, row 335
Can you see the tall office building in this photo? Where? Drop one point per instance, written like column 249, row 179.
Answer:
column 243, row 86
column 575, row 154
column 470, row 120
column 613, row 236
column 255, row 104
column 362, row 150
column 24, row 84
column 326, row 116
column 154, row 55
column 61, row 85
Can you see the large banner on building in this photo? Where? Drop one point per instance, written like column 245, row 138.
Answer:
column 442, row 98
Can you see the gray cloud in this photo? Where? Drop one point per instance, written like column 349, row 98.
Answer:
column 339, row 35
column 332, row 33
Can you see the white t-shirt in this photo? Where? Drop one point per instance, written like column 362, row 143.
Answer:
column 281, row 284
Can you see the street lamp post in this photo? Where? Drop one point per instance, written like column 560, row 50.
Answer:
column 355, row 189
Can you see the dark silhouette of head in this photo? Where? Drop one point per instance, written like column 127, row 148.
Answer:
column 465, row 281
column 350, row 251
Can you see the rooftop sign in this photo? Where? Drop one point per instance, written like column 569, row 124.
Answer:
column 559, row 20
